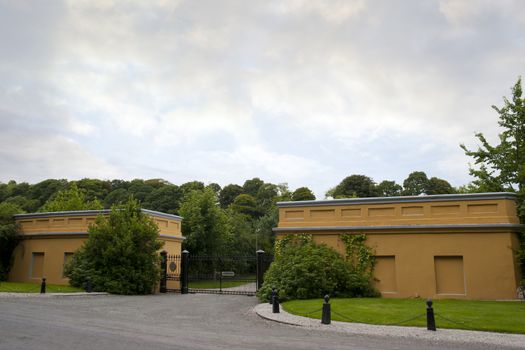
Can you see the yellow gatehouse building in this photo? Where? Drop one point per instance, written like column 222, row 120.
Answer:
column 48, row 240
column 438, row 246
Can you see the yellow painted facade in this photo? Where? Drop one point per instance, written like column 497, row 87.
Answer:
column 442, row 246
column 48, row 240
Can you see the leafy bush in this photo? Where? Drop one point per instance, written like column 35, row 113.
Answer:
column 303, row 269
column 120, row 255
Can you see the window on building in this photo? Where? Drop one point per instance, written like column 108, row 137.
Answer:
column 37, row 265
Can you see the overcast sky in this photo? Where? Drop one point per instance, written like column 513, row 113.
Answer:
column 305, row 92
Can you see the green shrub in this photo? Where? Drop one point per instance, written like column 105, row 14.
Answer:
column 120, row 255
column 303, row 269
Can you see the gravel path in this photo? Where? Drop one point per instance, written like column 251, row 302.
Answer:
column 199, row 321
column 452, row 335
column 248, row 287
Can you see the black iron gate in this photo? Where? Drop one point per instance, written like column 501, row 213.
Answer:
column 240, row 275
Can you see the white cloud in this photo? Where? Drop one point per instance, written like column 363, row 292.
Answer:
column 36, row 156
column 332, row 11
column 301, row 91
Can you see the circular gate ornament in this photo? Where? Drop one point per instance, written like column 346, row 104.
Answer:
column 173, row 266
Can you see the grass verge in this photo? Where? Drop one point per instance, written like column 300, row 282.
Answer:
column 16, row 287
column 496, row 316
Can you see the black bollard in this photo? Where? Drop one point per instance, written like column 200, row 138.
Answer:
column 43, row 286
column 275, row 304
column 272, row 295
column 431, row 321
column 327, row 313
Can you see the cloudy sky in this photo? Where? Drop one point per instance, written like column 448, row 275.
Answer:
column 302, row 91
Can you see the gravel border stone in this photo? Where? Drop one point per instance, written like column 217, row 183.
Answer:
column 453, row 335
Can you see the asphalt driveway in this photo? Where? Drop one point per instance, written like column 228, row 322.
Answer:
column 170, row 321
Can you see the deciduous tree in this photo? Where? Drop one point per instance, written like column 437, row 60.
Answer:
column 303, row 194
column 389, row 189
column 121, row 253
column 205, row 225
column 436, row 185
column 415, row 184
column 228, row 193
column 355, row 186
column 502, row 167
column 70, row 199
column 8, row 236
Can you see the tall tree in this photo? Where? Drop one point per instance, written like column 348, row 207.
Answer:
column 43, row 190
column 415, row 184
column 166, row 199
column 215, row 187
column 8, row 236
column 252, row 186
column 303, row 194
column 70, row 199
column 191, row 186
column 118, row 196
column 266, row 197
column 263, row 229
column 502, row 167
column 140, row 189
column 245, row 204
column 389, row 189
column 205, row 225
column 28, row 205
column 354, row 186
column 439, row 186
column 228, row 194
column 94, row 188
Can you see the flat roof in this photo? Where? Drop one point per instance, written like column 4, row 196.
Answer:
column 401, row 199
column 92, row 213
column 401, row 227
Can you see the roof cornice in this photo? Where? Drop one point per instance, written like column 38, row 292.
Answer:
column 83, row 234
column 401, row 199
column 91, row 213
column 514, row 227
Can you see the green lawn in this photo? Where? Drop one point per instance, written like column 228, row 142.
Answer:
column 15, row 287
column 497, row 316
column 213, row 284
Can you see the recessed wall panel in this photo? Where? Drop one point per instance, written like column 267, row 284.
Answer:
column 482, row 208
column 350, row 213
column 322, row 213
column 412, row 211
column 37, row 265
column 385, row 274
column 294, row 214
column 450, row 278
column 381, row 211
column 444, row 209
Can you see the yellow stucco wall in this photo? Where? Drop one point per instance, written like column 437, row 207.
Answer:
column 48, row 238
column 455, row 246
